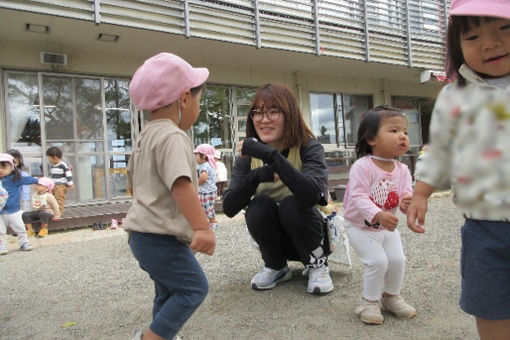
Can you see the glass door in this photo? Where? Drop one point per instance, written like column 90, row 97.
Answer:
column 73, row 121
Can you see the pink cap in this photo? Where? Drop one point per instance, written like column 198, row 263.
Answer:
column 481, row 8
column 207, row 150
column 46, row 182
column 5, row 157
column 162, row 79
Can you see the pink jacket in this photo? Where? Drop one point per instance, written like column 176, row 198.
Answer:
column 371, row 190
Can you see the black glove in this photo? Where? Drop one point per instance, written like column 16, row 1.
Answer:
column 252, row 147
column 264, row 174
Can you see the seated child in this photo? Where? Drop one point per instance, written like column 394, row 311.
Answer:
column 44, row 207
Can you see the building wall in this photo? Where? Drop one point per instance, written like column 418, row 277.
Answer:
column 22, row 56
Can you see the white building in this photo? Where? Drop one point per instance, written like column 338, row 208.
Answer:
column 65, row 67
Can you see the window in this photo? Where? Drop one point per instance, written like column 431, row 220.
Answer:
column 89, row 118
column 213, row 124
column 410, row 107
column 335, row 117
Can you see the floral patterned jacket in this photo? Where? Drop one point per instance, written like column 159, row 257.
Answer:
column 469, row 147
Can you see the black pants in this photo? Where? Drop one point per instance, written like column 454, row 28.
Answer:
column 285, row 231
column 43, row 216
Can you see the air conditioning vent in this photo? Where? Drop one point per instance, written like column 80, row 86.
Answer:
column 53, row 58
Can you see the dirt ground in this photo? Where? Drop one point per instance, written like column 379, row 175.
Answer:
column 85, row 284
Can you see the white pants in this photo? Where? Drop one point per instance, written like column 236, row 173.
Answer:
column 14, row 221
column 383, row 256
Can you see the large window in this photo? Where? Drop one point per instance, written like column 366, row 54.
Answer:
column 222, row 119
column 213, row 124
column 335, row 117
column 88, row 118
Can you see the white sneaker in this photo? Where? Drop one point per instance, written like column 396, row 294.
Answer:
column 3, row 246
column 369, row 312
column 25, row 247
column 138, row 335
column 397, row 306
column 319, row 281
column 268, row 278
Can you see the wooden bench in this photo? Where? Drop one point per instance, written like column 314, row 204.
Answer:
column 86, row 215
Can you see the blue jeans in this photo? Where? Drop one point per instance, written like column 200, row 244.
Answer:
column 179, row 281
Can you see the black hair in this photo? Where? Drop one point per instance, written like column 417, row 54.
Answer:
column 202, row 155
column 16, row 154
column 15, row 170
column 195, row 90
column 458, row 25
column 54, row 152
column 369, row 125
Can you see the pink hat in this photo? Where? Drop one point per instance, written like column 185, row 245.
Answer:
column 207, row 150
column 162, row 79
column 481, row 8
column 46, row 182
column 5, row 157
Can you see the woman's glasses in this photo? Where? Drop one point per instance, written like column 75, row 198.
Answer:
column 271, row 114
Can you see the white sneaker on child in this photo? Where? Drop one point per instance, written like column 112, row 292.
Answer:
column 3, row 247
column 369, row 312
column 138, row 336
column 25, row 247
column 397, row 306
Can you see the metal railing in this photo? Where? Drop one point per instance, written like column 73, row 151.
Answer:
column 401, row 32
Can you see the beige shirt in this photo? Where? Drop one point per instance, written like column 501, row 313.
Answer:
column 46, row 202
column 162, row 154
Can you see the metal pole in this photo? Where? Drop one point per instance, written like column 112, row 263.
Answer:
column 409, row 52
column 187, row 33
column 258, row 40
column 367, row 40
column 316, row 27
column 97, row 15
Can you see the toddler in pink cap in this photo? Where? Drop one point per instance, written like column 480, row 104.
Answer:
column 469, row 149
column 44, row 207
column 166, row 222
column 207, row 190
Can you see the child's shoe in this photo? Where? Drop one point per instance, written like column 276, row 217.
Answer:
column 115, row 224
column 30, row 232
column 3, row 247
column 43, row 232
column 25, row 247
column 370, row 312
column 397, row 306
column 122, row 222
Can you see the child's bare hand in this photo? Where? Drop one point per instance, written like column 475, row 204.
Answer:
column 416, row 211
column 55, row 218
column 387, row 220
column 203, row 241
column 71, row 186
column 405, row 202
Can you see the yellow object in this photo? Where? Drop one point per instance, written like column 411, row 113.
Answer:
column 43, row 232
column 30, row 231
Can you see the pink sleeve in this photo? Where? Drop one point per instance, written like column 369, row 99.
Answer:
column 407, row 181
column 361, row 206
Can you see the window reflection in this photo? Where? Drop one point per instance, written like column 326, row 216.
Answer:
column 23, row 107
column 213, row 124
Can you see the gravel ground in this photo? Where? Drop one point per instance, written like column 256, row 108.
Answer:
column 85, row 284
